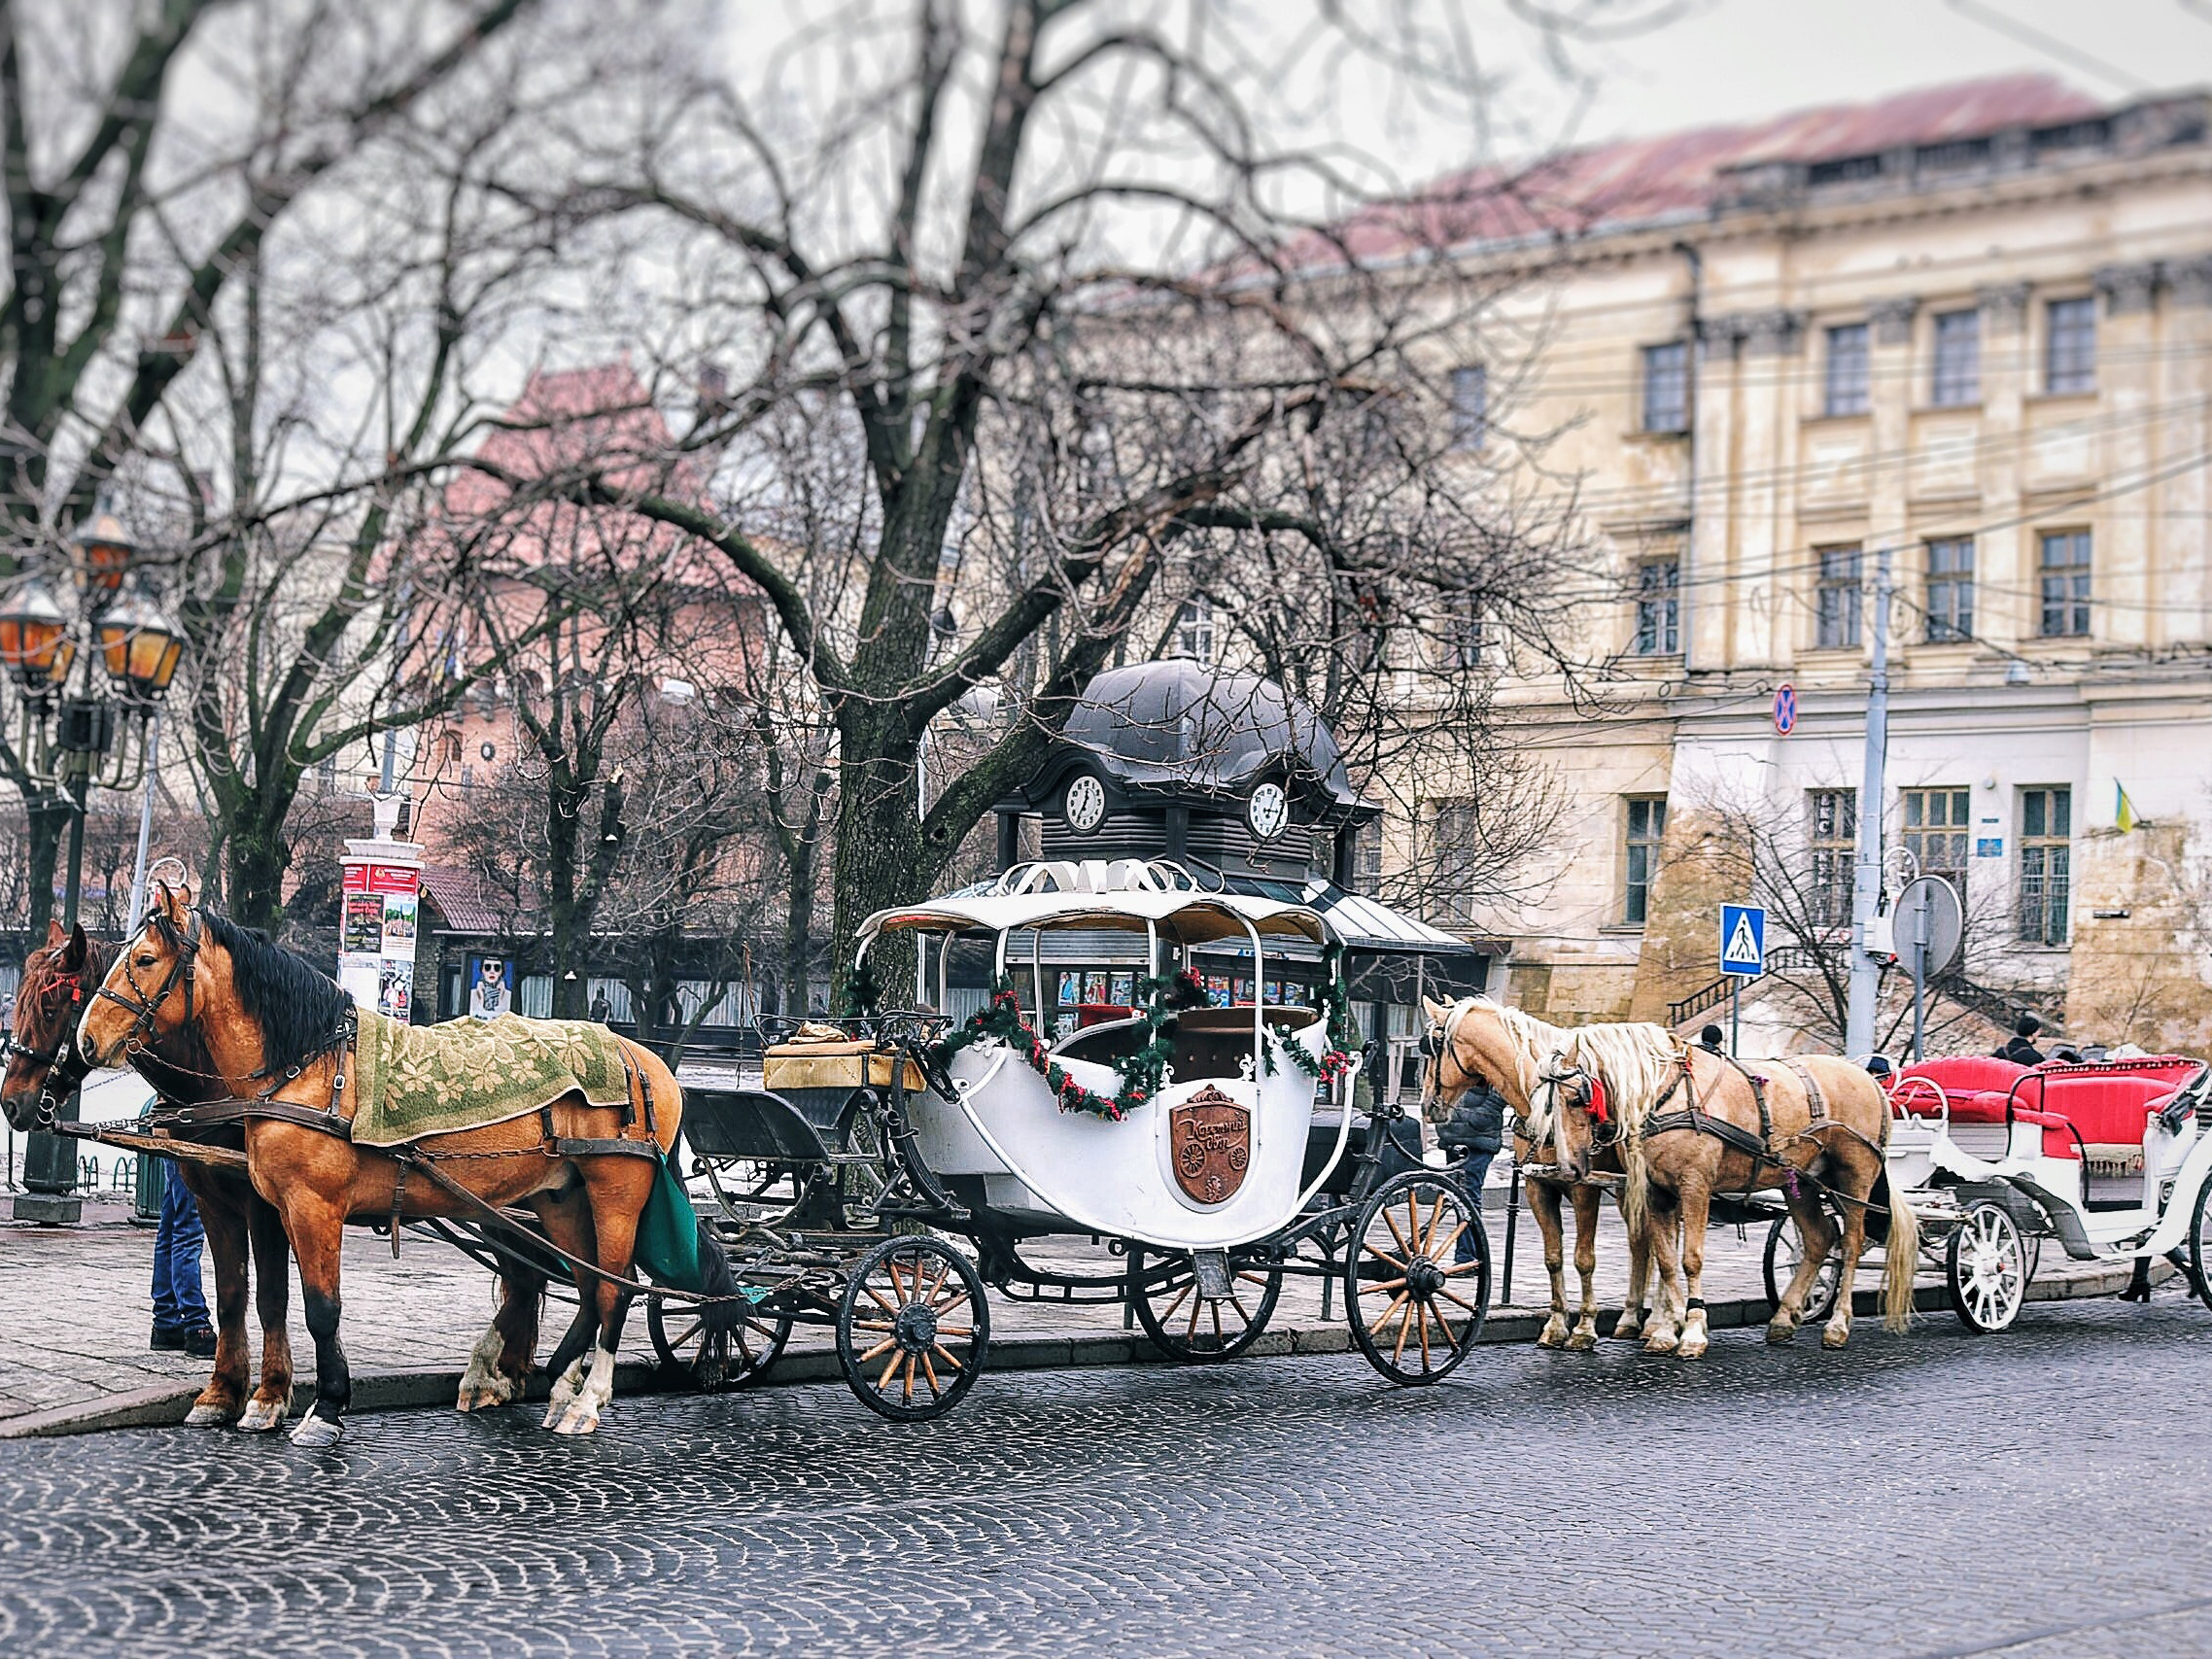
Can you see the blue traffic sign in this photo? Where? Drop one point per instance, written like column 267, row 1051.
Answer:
column 1743, row 940
column 1785, row 709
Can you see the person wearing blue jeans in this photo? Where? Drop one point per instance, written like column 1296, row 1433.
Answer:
column 180, row 1305
column 1473, row 1134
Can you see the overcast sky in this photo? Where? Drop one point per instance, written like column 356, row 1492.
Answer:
column 1738, row 59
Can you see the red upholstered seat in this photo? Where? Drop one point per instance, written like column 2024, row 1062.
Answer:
column 2109, row 1105
column 1960, row 1076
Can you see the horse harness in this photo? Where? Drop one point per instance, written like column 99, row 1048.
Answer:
column 193, row 1121
column 1759, row 1148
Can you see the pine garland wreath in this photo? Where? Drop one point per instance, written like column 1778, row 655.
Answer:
column 1141, row 1072
column 865, row 989
column 1343, row 1036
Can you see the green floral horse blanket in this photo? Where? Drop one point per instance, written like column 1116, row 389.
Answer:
column 411, row 1081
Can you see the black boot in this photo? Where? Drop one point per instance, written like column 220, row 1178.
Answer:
column 2139, row 1287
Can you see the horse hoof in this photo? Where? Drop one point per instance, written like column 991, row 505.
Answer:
column 213, row 1416
column 1692, row 1348
column 1780, row 1336
column 1583, row 1342
column 316, row 1431
column 499, row 1391
column 579, row 1419
column 1661, row 1342
column 262, row 1416
column 1628, row 1330
column 1833, row 1337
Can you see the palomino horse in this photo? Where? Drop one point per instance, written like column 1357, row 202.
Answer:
column 1694, row 1124
column 45, row 1064
column 278, row 1033
column 1527, row 1073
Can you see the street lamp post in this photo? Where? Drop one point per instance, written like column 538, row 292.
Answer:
column 73, row 733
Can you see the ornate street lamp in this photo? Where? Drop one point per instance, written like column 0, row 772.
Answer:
column 77, row 729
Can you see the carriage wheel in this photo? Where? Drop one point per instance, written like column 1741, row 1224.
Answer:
column 1416, row 1307
column 1186, row 1324
column 1784, row 1249
column 717, row 1360
column 1987, row 1269
column 2201, row 1244
column 913, row 1328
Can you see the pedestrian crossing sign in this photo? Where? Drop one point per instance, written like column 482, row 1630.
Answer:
column 1743, row 940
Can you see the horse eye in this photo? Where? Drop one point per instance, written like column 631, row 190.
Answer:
column 145, row 962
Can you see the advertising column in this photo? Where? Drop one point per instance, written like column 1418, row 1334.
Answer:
column 381, row 893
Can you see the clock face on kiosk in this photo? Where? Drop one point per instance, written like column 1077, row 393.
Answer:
column 1084, row 803
column 1267, row 812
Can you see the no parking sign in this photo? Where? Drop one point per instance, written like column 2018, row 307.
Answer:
column 1785, row 709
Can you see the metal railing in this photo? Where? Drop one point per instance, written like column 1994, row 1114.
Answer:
column 1780, row 960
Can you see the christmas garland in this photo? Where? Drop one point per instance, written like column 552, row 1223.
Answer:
column 1141, row 1072
column 1343, row 1036
column 865, row 989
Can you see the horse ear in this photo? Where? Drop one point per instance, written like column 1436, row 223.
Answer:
column 173, row 899
column 1438, row 1011
column 54, row 932
column 73, row 957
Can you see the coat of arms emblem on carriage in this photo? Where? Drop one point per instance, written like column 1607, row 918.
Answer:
column 1209, row 1137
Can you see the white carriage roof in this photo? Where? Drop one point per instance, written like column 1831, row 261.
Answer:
column 1187, row 918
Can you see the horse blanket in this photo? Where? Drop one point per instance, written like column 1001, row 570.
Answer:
column 411, row 1081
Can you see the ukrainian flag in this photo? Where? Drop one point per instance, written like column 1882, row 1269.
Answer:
column 2123, row 809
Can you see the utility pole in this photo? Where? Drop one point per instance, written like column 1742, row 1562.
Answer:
column 1866, row 878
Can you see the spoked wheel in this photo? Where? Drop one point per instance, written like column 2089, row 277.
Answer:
column 1784, row 1249
column 714, row 1360
column 913, row 1328
column 1200, row 1316
column 1987, row 1269
column 2201, row 1244
column 1415, row 1306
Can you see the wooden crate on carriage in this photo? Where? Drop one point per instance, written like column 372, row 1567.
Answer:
column 848, row 1064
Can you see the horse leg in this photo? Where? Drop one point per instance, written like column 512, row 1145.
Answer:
column 1630, row 1324
column 316, row 1226
column 1663, row 1331
column 1817, row 1239
column 1543, row 1204
column 617, row 1199
column 1838, row 1329
column 499, row 1365
column 568, row 1225
column 1696, row 1205
column 1585, row 1334
column 272, row 1301
column 224, row 1397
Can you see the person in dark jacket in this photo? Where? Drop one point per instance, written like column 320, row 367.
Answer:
column 1472, row 1136
column 2022, row 1048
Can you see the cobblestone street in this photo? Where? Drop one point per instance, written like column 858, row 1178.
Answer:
column 2042, row 1495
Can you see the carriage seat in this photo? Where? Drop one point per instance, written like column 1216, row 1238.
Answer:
column 2110, row 1111
column 1215, row 1042
column 1960, row 1076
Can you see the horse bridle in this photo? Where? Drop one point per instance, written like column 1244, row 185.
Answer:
column 184, row 951
column 47, row 1111
column 1605, row 1126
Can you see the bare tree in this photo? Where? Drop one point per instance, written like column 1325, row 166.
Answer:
column 136, row 195
column 1081, row 310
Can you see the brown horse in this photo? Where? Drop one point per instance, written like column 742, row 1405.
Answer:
column 1693, row 1125
column 244, row 1237
column 276, row 1032
column 1527, row 1076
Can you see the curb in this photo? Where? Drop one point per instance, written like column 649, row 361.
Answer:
column 407, row 1390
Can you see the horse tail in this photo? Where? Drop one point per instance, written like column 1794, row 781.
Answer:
column 716, row 1280
column 1635, row 1177
column 1901, row 1252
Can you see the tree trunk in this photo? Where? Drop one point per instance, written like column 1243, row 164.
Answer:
column 256, row 863
column 878, row 863
column 803, row 859
column 46, row 820
column 567, row 921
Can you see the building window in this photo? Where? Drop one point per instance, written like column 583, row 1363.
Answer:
column 2065, row 583
column 1467, row 632
column 1838, row 605
column 1850, row 383
column 1658, row 607
column 1195, row 629
column 1950, row 589
column 1957, row 359
column 1647, row 826
column 1935, row 833
column 2070, row 353
column 1455, row 841
column 1367, row 857
column 1470, row 406
column 1832, row 835
column 1667, row 388
column 2045, row 849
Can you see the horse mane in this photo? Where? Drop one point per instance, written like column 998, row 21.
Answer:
column 297, row 1006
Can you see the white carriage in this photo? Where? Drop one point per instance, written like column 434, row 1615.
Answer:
column 1212, row 1148
column 2111, row 1160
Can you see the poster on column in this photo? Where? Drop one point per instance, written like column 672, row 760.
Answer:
column 376, row 946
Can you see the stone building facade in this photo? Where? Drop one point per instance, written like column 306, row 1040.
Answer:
column 1966, row 335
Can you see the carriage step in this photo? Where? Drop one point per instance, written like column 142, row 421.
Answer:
column 1214, row 1282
